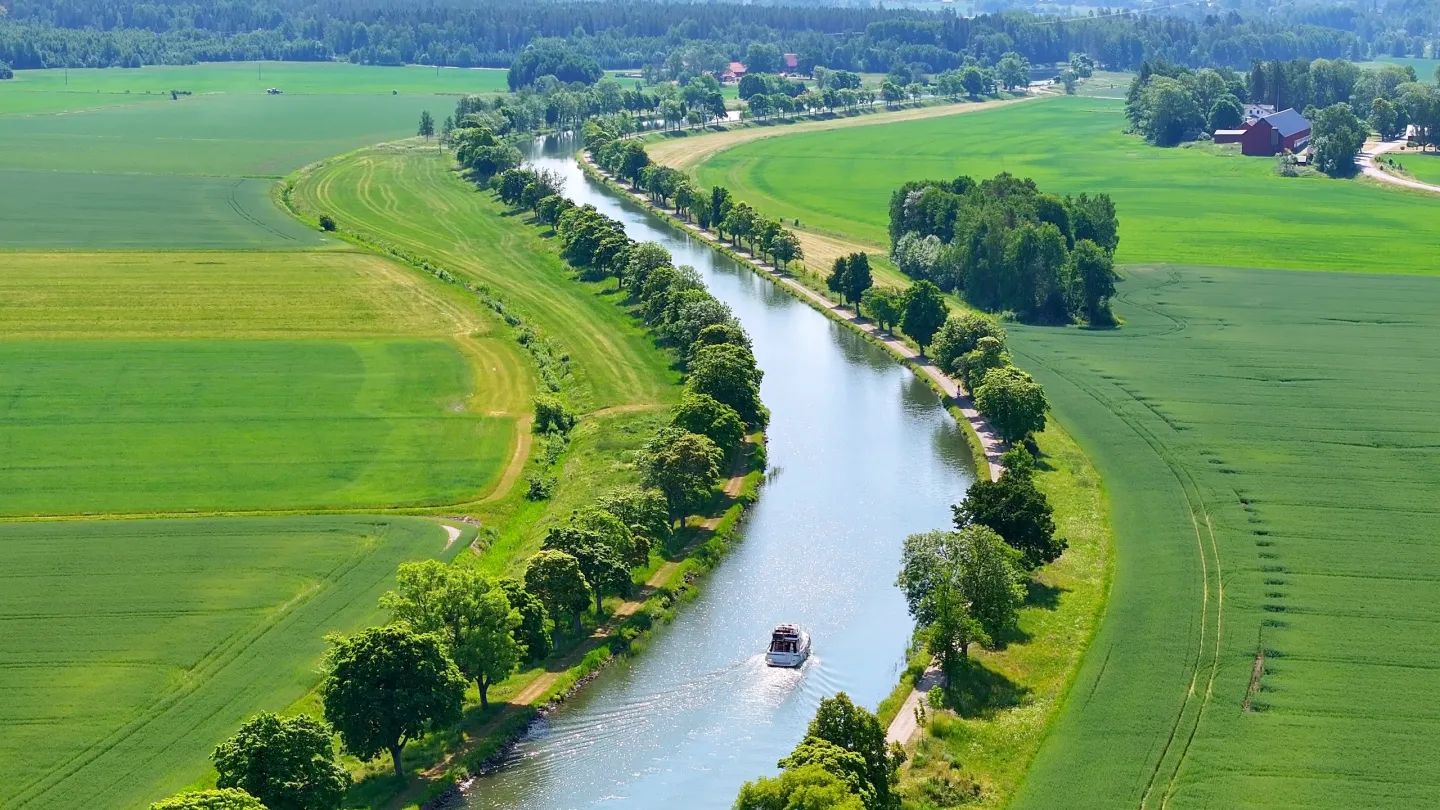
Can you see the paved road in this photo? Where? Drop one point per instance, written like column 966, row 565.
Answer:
column 1367, row 166
column 905, row 724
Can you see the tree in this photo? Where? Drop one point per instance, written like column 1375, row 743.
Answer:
column 462, row 607
column 964, row 587
column 1226, row 113
column 1014, row 509
column 1338, row 136
column 327, row 222
column 961, row 335
column 857, row 278
column 709, row 417
column 924, row 313
column 223, row 799
column 762, row 57
column 727, row 372
column 1168, row 112
column 1385, row 119
column 684, row 467
column 810, row 787
column 1013, row 402
column 1094, row 273
column 854, row 729
column 973, row 79
column 532, row 634
column 386, row 686
column 288, row 764
column 426, row 131
column 848, row 765
column 835, row 282
column 972, row 366
column 883, row 305
column 1014, row 70
column 5, row 72
column 602, row 565
column 555, row 578
column 786, row 248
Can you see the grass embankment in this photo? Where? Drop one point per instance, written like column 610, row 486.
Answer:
column 1183, row 205
column 133, row 647
column 220, row 382
column 1273, row 432
column 188, row 174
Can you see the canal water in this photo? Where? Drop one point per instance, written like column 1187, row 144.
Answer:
column 862, row 453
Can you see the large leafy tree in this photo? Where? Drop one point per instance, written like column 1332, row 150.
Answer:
column 809, row 787
column 964, row 587
column 533, row 632
column 288, row 764
column 683, row 467
column 925, row 312
column 1016, row 510
column 462, row 607
column 1013, row 401
column 703, row 414
column 223, row 799
column 1093, row 272
column 727, row 373
column 387, row 686
column 1338, row 136
column 603, row 567
column 555, row 578
column 858, row 731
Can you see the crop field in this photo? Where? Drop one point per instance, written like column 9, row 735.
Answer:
column 1181, row 205
column 254, row 78
column 132, row 647
column 194, row 173
column 1424, row 68
column 413, row 199
column 245, row 381
column 1271, row 445
column 1423, row 166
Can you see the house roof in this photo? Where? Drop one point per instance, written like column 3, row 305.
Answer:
column 737, row 68
column 792, row 61
column 1287, row 122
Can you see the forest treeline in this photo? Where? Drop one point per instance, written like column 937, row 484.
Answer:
column 668, row 39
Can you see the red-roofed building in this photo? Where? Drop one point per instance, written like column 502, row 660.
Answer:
column 792, row 63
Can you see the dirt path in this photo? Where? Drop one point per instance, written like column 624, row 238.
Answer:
column 1370, row 168
column 452, row 533
column 989, row 439
column 902, row 729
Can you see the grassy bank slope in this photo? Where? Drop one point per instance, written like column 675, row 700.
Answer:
column 413, row 199
column 187, row 628
column 1183, row 205
column 1275, row 433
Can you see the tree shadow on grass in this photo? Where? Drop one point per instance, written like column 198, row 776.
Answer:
column 1040, row 595
column 976, row 691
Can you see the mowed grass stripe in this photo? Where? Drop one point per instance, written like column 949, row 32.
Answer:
column 413, row 199
column 1247, row 380
column 1176, row 205
column 132, row 646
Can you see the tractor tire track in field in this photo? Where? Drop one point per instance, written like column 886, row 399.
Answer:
column 240, row 211
column 1163, row 777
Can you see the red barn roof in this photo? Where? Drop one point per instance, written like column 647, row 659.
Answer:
column 737, row 68
column 792, row 61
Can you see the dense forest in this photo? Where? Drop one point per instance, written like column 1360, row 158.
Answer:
column 666, row 38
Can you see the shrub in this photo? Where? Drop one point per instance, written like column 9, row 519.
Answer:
column 540, row 486
column 6, row 72
column 327, row 222
column 551, row 415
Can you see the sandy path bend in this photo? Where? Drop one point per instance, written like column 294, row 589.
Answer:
column 452, row 533
column 989, row 439
column 1369, row 167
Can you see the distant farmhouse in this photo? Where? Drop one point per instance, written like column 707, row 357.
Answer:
column 1254, row 112
column 1269, row 135
column 733, row 74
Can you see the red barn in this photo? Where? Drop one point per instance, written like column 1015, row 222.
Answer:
column 1285, row 131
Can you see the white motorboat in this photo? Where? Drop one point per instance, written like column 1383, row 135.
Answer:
column 789, row 646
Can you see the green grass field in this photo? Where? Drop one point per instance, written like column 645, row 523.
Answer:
column 1423, row 166
column 412, row 198
column 359, row 387
column 133, row 647
column 1273, row 432
column 1182, row 205
column 1424, row 68
column 194, row 173
column 57, row 89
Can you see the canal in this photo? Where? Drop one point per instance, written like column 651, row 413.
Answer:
column 862, row 453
